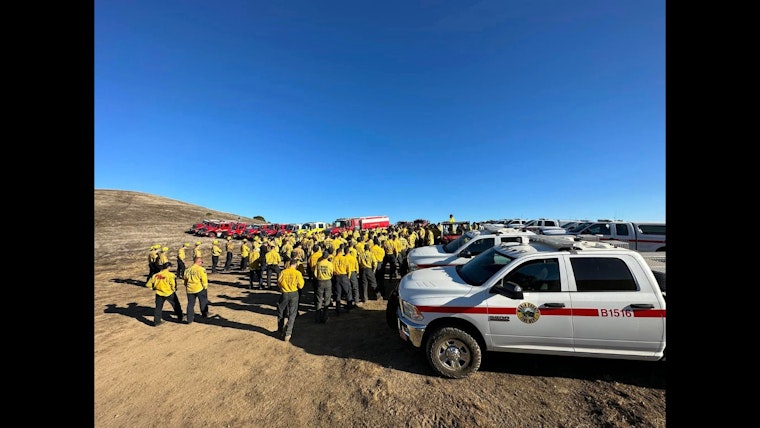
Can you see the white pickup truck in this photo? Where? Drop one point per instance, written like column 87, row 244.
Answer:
column 464, row 248
column 640, row 236
column 555, row 296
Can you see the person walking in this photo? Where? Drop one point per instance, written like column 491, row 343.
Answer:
column 164, row 283
column 230, row 248
column 272, row 259
column 290, row 281
column 323, row 273
column 216, row 251
column 196, row 288
column 245, row 250
column 181, row 256
column 367, row 267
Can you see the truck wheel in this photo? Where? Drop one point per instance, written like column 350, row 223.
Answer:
column 453, row 353
column 390, row 309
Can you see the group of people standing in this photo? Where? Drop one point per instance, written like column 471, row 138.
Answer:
column 341, row 268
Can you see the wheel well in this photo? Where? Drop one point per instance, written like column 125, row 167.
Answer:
column 454, row 322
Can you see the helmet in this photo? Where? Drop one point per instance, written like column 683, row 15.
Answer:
column 229, row 238
column 197, row 242
column 216, row 241
column 186, row 244
column 165, row 249
column 245, row 240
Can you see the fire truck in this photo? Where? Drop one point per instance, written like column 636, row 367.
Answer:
column 360, row 223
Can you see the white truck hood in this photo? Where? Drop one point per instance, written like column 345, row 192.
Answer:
column 429, row 251
column 442, row 280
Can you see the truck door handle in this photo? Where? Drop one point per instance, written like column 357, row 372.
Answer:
column 554, row 305
column 642, row 306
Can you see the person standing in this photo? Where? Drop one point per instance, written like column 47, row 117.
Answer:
column 163, row 256
column 197, row 250
column 152, row 262
column 389, row 245
column 342, row 283
column 367, row 267
column 164, row 283
column 313, row 259
column 216, row 251
column 323, row 274
column 254, row 264
column 244, row 252
column 272, row 259
column 196, row 287
column 451, row 218
column 353, row 276
column 289, row 281
column 181, row 260
column 230, row 249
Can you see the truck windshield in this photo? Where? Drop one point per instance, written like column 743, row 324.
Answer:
column 483, row 266
column 456, row 244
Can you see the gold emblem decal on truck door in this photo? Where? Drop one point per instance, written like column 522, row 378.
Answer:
column 528, row 313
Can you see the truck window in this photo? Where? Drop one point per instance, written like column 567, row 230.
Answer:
column 482, row 267
column 652, row 229
column 481, row 245
column 537, row 275
column 598, row 229
column 602, row 274
column 622, row 229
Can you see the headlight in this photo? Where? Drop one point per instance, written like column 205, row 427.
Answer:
column 410, row 311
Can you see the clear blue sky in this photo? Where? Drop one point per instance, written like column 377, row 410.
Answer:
column 309, row 110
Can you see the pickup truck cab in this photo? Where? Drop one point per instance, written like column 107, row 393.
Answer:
column 645, row 237
column 462, row 249
column 553, row 296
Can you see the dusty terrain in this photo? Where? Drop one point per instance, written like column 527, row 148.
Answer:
column 231, row 371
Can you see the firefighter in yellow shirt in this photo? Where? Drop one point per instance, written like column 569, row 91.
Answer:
column 181, row 256
column 290, row 282
column 164, row 283
column 323, row 273
column 216, row 251
column 272, row 259
column 245, row 250
column 367, row 267
column 228, row 260
column 196, row 287
column 197, row 250
column 254, row 265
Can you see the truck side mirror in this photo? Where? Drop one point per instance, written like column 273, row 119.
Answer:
column 507, row 289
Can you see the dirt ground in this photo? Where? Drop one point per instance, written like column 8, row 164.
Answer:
column 231, row 370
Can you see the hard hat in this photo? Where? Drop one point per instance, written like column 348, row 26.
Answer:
column 229, row 238
column 245, row 240
column 216, row 241
column 186, row 244
column 165, row 249
column 197, row 242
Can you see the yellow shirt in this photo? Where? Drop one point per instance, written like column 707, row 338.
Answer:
column 290, row 280
column 323, row 270
column 195, row 278
column 163, row 282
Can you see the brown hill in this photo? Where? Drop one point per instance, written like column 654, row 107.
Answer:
column 231, row 370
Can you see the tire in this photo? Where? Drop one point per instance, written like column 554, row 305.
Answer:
column 390, row 309
column 453, row 353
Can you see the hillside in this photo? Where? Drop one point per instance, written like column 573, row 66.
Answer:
column 127, row 223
